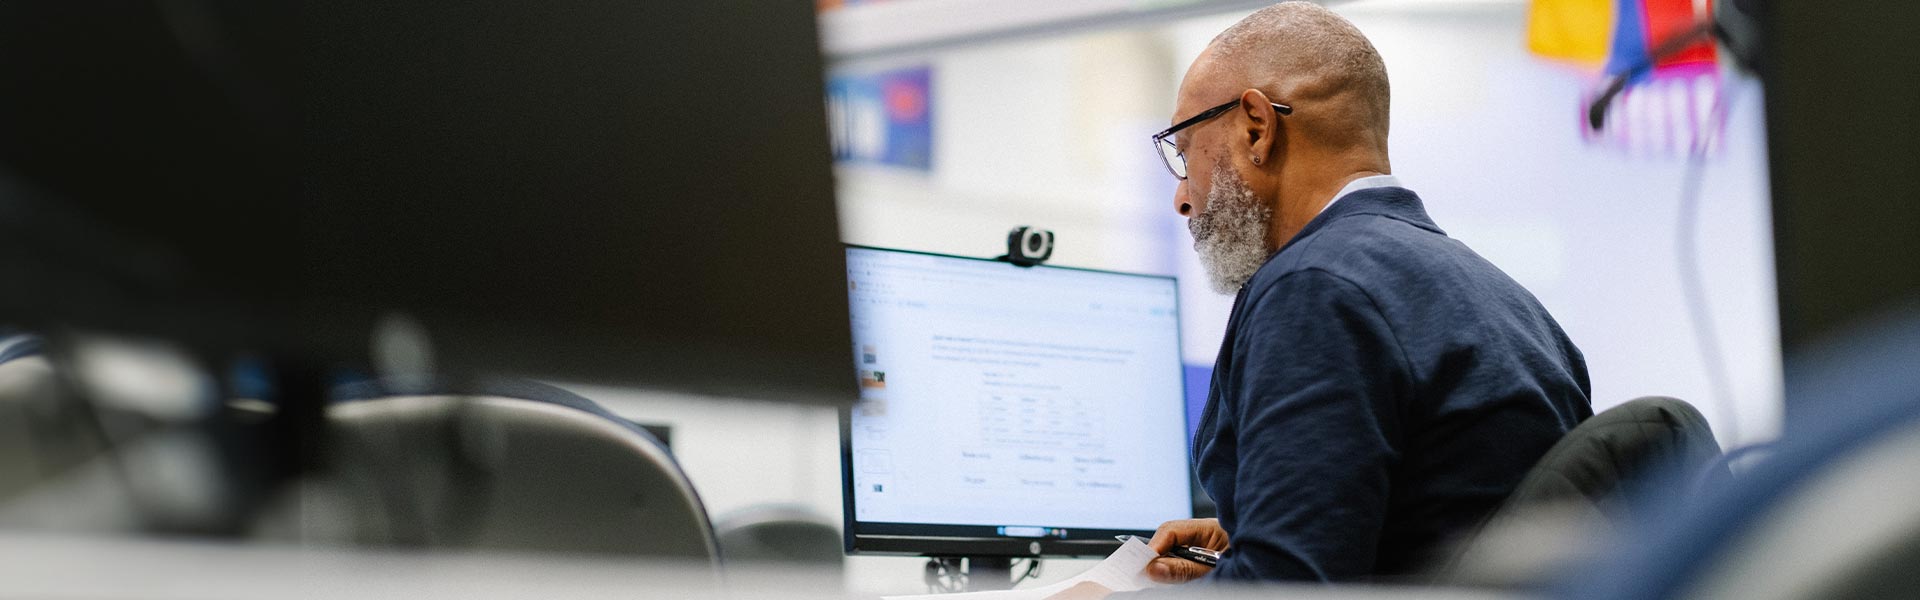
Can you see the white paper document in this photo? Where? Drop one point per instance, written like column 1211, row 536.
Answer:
column 1123, row 571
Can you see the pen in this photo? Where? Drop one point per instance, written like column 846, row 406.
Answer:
column 1197, row 554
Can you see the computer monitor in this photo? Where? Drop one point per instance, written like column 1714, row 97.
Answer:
column 1009, row 411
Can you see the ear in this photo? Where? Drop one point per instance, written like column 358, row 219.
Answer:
column 1262, row 127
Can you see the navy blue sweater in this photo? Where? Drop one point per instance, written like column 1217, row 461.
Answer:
column 1380, row 389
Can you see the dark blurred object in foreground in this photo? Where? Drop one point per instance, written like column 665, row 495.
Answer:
column 630, row 193
column 633, row 193
column 1844, row 143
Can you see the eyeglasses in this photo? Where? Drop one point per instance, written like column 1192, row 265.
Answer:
column 1170, row 153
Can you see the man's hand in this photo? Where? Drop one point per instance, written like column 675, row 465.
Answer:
column 1085, row 590
column 1205, row 533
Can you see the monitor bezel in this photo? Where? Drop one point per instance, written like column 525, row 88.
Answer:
column 918, row 539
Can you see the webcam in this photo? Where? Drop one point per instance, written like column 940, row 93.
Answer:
column 1028, row 246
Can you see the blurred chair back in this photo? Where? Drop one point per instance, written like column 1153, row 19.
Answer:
column 1584, row 488
column 1832, row 512
column 41, row 436
column 1850, row 531
column 779, row 533
column 549, row 473
column 27, row 397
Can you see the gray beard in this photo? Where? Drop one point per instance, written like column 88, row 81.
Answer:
column 1231, row 234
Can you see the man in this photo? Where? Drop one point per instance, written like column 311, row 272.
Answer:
column 1381, row 387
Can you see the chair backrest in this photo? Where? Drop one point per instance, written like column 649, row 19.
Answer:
column 779, row 533
column 1612, row 456
column 1583, row 489
column 505, row 473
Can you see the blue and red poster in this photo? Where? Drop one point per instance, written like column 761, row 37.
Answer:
column 1665, row 110
column 883, row 118
column 1617, row 33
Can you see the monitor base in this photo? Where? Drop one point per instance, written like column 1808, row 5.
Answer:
column 949, row 574
column 987, row 573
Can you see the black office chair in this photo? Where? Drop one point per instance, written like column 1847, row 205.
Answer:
column 1585, row 488
column 1613, row 456
column 779, row 533
column 501, row 465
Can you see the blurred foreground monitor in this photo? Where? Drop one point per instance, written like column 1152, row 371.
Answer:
column 631, row 193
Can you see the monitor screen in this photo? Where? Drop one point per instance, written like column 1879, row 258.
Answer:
column 1007, row 410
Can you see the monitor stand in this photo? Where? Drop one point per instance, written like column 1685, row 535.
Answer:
column 980, row 573
column 988, row 573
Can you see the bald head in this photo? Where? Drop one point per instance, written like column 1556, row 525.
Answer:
column 1257, row 173
column 1306, row 56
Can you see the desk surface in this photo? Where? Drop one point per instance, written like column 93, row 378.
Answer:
column 50, row 566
